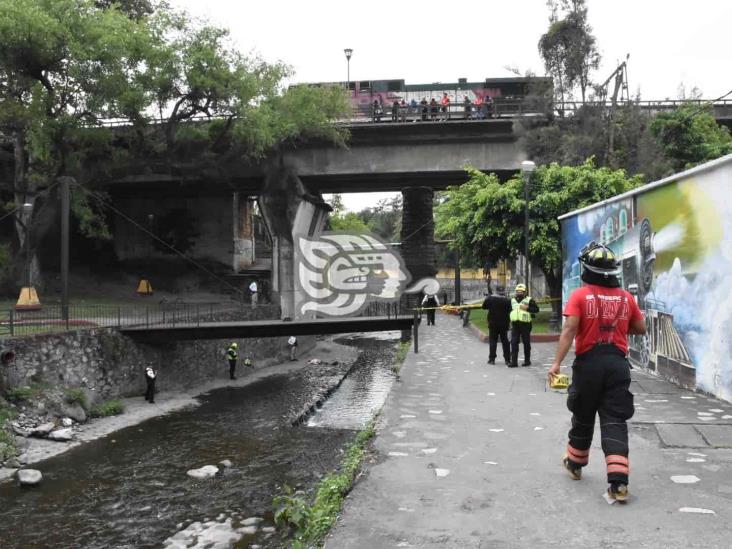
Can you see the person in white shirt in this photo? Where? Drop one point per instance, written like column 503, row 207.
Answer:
column 254, row 292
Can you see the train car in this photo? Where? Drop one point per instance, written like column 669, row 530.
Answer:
column 511, row 96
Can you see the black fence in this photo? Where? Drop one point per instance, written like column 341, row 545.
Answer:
column 50, row 319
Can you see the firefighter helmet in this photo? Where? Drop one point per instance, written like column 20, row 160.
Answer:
column 521, row 288
column 599, row 259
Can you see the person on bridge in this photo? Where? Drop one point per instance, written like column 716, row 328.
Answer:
column 523, row 309
column 599, row 316
column 231, row 356
column 150, row 375
column 254, row 292
column 499, row 311
column 430, row 301
column 445, row 102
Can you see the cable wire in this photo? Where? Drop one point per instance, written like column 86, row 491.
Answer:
column 124, row 216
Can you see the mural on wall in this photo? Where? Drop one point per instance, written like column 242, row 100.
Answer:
column 675, row 246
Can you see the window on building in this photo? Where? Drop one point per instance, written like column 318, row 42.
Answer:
column 623, row 221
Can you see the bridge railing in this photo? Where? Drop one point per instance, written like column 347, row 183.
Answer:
column 50, row 319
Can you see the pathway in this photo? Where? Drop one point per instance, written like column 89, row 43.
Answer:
column 469, row 457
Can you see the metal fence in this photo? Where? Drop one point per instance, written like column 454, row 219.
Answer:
column 49, row 319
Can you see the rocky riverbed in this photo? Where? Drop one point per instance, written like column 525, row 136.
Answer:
column 130, row 488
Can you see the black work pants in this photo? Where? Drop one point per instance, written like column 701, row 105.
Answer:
column 494, row 334
column 600, row 385
column 150, row 391
column 520, row 331
column 232, row 367
column 431, row 318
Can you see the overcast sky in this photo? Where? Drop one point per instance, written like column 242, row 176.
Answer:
column 670, row 42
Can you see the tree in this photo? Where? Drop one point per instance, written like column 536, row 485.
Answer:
column 690, row 135
column 135, row 9
column 63, row 65
column 486, row 217
column 568, row 48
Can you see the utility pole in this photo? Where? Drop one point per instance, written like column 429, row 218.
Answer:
column 65, row 207
column 527, row 167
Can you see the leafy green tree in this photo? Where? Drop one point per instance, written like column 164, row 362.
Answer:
column 568, row 48
column 385, row 219
column 348, row 222
column 63, row 65
column 690, row 135
column 133, row 8
column 486, row 217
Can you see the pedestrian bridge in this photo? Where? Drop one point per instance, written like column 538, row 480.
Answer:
column 266, row 328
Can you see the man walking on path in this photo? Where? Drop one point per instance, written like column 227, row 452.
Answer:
column 523, row 309
column 231, row 356
column 600, row 315
column 499, row 311
column 430, row 302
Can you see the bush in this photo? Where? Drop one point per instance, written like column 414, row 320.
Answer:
column 76, row 396
column 18, row 394
column 109, row 408
column 401, row 355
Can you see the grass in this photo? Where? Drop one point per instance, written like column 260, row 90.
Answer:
column 312, row 521
column 110, row 408
column 402, row 349
column 541, row 322
column 76, row 396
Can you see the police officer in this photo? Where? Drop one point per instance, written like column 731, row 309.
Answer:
column 599, row 316
column 150, row 375
column 499, row 311
column 231, row 356
column 523, row 308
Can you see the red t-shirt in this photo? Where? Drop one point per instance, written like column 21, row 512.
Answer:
column 598, row 306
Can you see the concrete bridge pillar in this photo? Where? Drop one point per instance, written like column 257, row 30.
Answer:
column 289, row 210
column 243, row 232
column 418, row 232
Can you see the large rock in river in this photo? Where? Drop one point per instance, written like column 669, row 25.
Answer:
column 207, row 471
column 29, row 477
column 43, row 429
column 74, row 411
column 61, row 435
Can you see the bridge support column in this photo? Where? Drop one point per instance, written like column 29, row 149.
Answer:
column 243, row 255
column 289, row 210
column 418, row 232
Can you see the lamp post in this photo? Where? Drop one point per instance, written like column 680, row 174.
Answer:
column 349, row 53
column 527, row 167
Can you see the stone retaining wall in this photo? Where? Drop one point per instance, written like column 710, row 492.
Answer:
column 108, row 364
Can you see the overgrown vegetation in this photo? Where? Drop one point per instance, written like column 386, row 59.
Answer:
column 110, row 408
column 7, row 441
column 402, row 349
column 311, row 519
column 76, row 396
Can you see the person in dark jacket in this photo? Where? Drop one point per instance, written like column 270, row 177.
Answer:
column 150, row 375
column 430, row 301
column 499, row 310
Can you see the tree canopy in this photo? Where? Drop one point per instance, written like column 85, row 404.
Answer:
column 486, row 217
column 690, row 135
column 66, row 65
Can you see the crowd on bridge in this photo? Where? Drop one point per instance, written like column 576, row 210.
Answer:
column 433, row 110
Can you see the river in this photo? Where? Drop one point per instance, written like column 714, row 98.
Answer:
column 130, row 489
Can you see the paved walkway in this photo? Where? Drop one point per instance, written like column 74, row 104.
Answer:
column 470, row 458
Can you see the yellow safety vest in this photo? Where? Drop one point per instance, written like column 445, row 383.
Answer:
column 517, row 314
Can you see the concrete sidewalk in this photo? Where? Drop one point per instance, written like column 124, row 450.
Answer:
column 470, row 458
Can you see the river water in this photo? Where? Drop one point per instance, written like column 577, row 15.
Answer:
column 130, row 489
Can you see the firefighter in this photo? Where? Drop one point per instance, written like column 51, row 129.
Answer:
column 599, row 316
column 150, row 375
column 523, row 309
column 231, row 356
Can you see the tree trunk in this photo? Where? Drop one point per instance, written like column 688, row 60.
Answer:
column 554, row 282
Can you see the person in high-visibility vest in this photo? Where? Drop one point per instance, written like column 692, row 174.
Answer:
column 231, row 356
column 598, row 317
column 523, row 309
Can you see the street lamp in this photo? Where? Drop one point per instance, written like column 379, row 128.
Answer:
column 27, row 213
column 527, row 167
column 349, row 53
